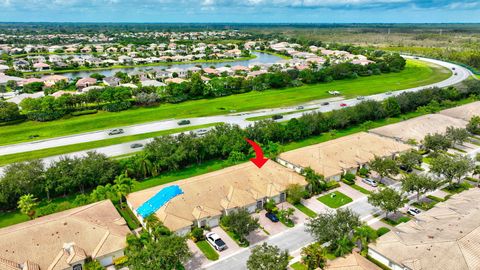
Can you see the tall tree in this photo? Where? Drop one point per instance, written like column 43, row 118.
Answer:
column 266, row 257
column 451, row 167
column 315, row 182
column 457, row 135
column 473, row 125
column 123, row 185
column 332, row 226
column 240, row 222
column 387, row 199
column 436, row 142
column 26, row 204
column 419, row 184
column 384, row 166
column 409, row 160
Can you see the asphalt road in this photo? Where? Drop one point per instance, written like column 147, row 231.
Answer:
column 236, row 118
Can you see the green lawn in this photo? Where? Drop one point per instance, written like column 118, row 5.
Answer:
column 207, row 250
column 60, row 150
column 391, row 222
column 336, row 201
column 361, row 189
column 307, row 211
column 416, row 73
column 299, row 266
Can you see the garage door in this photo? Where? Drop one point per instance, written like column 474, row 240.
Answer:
column 106, row 261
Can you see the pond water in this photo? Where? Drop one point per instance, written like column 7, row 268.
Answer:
column 262, row 58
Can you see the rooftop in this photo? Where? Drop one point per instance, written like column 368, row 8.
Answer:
column 464, row 112
column 210, row 194
column 55, row 241
column 417, row 128
column 333, row 157
column 445, row 237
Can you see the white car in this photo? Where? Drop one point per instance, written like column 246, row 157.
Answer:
column 360, row 98
column 216, row 241
column 370, row 182
column 201, row 132
column 413, row 211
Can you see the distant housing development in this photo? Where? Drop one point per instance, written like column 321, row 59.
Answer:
column 65, row 240
column 207, row 197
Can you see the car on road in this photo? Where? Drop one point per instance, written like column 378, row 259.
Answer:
column 201, row 132
column 360, row 98
column 416, row 58
column 116, row 131
column 413, row 211
column 343, row 104
column 33, row 136
column 272, row 217
column 216, row 241
column 183, row 122
column 277, row 116
column 136, row 145
column 370, row 182
column 300, row 107
column 453, row 68
column 325, row 103
column 389, row 93
column 456, row 73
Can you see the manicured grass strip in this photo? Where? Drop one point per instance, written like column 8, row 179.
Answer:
column 207, row 250
column 60, row 150
column 307, row 211
column 361, row 189
column 335, row 199
column 129, row 217
column 391, row 222
column 299, row 266
column 415, row 74
column 256, row 118
column 11, row 218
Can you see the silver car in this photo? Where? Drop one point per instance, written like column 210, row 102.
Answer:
column 370, row 182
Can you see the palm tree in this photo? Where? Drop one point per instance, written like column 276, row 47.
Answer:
column 123, row 186
column 343, row 246
column 145, row 164
column 315, row 181
column 314, row 256
column 26, row 203
column 364, row 235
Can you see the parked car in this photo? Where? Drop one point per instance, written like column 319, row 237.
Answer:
column 116, row 131
column 300, row 107
column 183, row 122
column 277, row 116
column 325, row 103
column 136, row 145
column 272, row 217
column 413, row 211
column 343, row 104
column 201, row 132
column 370, row 182
column 360, row 98
column 404, row 168
column 216, row 241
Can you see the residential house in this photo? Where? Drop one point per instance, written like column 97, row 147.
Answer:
column 85, row 82
column 111, row 81
column 53, row 79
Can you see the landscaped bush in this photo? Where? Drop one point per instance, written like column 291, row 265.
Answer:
column 332, row 185
column 197, row 234
column 118, row 106
column 363, row 172
column 382, row 230
column 84, row 112
column 349, row 179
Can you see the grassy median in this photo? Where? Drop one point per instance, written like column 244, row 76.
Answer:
column 415, row 74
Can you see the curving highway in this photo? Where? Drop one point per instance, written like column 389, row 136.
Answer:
column 459, row 74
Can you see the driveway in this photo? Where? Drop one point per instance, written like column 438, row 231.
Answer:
column 231, row 244
column 359, row 183
column 298, row 217
column 271, row 227
column 315, row 205
column 350, row 192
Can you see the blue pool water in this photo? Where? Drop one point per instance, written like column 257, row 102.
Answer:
column 161, row 198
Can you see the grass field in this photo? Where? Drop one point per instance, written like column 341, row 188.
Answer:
column 307, row 211
column 416, row 73
column 60, row 150
column 361, row 189
column 335, row 199
column 207, row 250
column 298, row 266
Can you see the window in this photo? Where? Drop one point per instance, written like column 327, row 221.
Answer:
column 259, row 204
column 282, row 197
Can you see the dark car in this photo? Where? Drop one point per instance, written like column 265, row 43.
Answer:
column 277, row 116
column 405, row 168
column 272, row 217
column 136, row 145
column 183, row 122
column 115, row 131
column 33, row 136
column 325, row 103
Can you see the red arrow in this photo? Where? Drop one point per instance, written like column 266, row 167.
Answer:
column 259, row 160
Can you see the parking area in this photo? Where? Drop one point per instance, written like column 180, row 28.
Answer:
column 358, row 182
column 231, row 244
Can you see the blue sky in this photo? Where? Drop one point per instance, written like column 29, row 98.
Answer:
column 241, row 11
